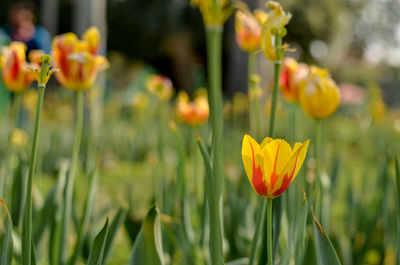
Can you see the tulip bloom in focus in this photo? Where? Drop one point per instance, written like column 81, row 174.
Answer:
column 319, row 94
column 160, row 86
column 272, row 166
column 290, row 76
column 193, row 113
column 78, row 60
column 16, row 75
column 248, row 29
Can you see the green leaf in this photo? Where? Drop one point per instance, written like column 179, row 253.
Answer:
column 148, row 245
column 326, row 253
column 6, row 253
column 115, row 224
column 97, row 248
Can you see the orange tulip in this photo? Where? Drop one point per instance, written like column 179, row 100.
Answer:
column 248, row 29
column 16, row 75
column 272, row 166
column 193, row 113
column 291, row 74
column 77, row 60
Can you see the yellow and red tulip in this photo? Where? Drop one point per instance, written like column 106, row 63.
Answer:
column 275, row 23
column 248, row 29
column 15, row 73
column 291, row 74
column 77, row 60
column 272, row 166
column 319, row 94
column 193, row 112
column 160, row 86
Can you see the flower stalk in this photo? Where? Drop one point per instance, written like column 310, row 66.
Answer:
column 27, row 228
column 42, row 77
column 68, row 192
column 262, row 210
column 214, row 52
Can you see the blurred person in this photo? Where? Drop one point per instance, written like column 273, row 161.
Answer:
column 22, row 27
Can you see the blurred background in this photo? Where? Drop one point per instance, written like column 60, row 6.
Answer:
column 358, row 40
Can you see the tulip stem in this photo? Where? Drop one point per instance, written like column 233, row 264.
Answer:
column 71, row 177
column 262, row 209
column 214, row 54
column 27, row 223
column 269, row 230
column 255, row 119
column 318, row 188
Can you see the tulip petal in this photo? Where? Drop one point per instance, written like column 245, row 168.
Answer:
column 253, row 161
column 289, row 173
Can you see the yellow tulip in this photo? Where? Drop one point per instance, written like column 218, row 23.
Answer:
column 193, row 113
column 290, row 76
column 16, row 75
column 276, row 20
column 272, row 166
column 248, row 29
column 319, row 94
column 77, row 60
column 160, row 86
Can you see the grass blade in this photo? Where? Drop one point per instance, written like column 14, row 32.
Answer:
column 115, row 224
column 97, row 248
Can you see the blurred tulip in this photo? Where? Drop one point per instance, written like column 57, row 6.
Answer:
column 160, row 86
column 248, row 29
column 77, row 60
column 193, row 113
column 140, row 101
column 290, row 76
column 319, row 94
column 214, row 12
column 274, row 26
column 16, row 76
column 272, row 166
column 19, row 138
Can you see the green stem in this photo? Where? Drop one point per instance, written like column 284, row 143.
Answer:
column 214, row 54
column 269, row 230
column 318, row 187
column 27, row 223
column 260, row 222
column 255, row 118
column 68, row 193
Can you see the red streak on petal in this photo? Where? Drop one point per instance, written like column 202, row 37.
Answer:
column 287, row 179
column 64, row 66
column 15, row 66
column 257, row 178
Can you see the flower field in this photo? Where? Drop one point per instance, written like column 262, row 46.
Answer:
column 295, row 170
